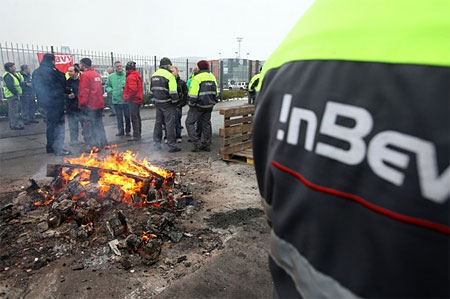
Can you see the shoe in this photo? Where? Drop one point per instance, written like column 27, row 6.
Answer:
column 195, row 149
column 50, row 151
column 189, row 140
column 112, row 114
column 33, row 121
column 135, row 138
column 205, row 148
column 17, row 128
column 165, row 140
column 26, row 123
column 128, row 134
column 63, row 153
column 120, row 134
column 174, row 150
column 178, row 140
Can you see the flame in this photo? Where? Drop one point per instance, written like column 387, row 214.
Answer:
column 118, row 166
column 146, row 236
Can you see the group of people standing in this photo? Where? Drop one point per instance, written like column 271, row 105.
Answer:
column 17, row 89
column 79, row 94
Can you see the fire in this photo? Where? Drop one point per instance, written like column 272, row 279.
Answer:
column 122, row 169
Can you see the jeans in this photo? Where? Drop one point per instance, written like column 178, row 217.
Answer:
column 74, row 119
column 123, row 111
column 135, row 115
column 13, row 111
column 178, row 127
column 28, row 106
column 94, row 131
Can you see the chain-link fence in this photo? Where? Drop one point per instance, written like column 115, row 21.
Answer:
column 231, row 73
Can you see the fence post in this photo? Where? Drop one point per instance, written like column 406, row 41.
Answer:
column 187, row 69
column 257, row 66
column 112, row 59
column 155, row 63
column 51, row 49
column 250, row 71
column 221, row 76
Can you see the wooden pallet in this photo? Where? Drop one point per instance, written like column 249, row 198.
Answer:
column 237, row 134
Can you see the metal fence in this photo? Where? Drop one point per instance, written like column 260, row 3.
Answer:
column 228, row 72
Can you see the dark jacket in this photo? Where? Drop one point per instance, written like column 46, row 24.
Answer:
column 72, row 86
column 49, row 84
column 133, row 91
column 203, row 90
column 355, row 174
column 25, row 88
column 182, row 91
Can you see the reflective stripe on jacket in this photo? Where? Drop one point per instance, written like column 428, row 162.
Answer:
column 163, row 87
column 350, row 142
column 203, row 90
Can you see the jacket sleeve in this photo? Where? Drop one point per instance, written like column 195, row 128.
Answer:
column 9, row 82
column 83, row 91
column 193, row 92
column 173, row 89
column 132, row 84
column 109, row 87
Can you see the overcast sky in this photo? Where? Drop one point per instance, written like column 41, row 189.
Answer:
column 173, row 28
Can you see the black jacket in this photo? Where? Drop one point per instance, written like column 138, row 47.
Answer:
column 49, row 84
column 25, row 88
column 182, row 91
column 72, row 86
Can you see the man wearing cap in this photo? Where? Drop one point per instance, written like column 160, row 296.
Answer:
column 90, row 101
column 202, row 97
column 163, row 90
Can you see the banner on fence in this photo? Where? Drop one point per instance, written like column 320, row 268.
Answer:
column 62, row 61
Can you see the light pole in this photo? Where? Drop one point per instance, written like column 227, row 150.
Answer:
column 247, row 55
column 239, row 40
column 220, row 55
column 236, row 54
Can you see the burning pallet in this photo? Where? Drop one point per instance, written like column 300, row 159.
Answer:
column 94, row 191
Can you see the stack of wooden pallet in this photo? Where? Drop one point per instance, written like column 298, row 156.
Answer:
column 237, row 134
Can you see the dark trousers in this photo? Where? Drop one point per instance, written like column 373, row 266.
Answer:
column 203, row 119
column 94, row 131
column 28, row 106
column 165, row 115
column 74, row 119
column 55, row 128
column 178, row 127
column 135, row 115
column 123, row 111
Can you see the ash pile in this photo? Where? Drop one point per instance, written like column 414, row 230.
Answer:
column 106, row 215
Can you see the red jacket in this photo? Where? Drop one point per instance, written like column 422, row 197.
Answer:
column 90, row 91
column 133, row 87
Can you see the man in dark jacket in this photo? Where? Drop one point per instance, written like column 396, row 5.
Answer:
column 91, row 103
column 49, row 85
column 201, row 99
column 182, row 95
column 28, row 97
column 133, row 95
column 163, row 90
column 73, row 112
